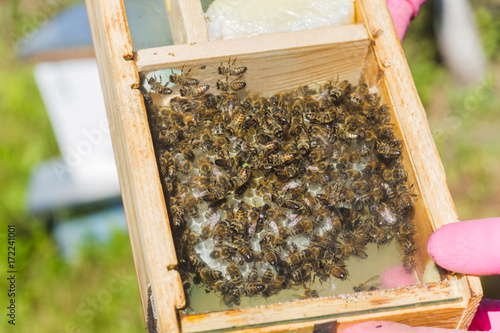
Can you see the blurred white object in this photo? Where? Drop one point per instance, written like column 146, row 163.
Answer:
column 71, row 91
column 244, row 18
column 459, row 41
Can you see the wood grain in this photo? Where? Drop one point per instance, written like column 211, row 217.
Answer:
column 147, row 220
column 187, row 22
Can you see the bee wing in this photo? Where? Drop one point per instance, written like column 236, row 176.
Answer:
column 213, row 220
column 274, row 227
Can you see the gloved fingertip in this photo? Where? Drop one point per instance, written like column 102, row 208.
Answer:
column 469, row 247
column 487, row 317
column 397, row 276
column 401, row 13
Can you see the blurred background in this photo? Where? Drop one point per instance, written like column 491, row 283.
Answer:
column 73, row 255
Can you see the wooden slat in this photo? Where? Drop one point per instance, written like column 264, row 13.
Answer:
column 416, row 131
column 150, row 235
column 331, row 307
column 174, row 55
column 187, row 22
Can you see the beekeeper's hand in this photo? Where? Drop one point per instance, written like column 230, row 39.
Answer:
column 469, row 247
column 402, row 11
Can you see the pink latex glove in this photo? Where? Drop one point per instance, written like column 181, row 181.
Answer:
column 470, row 247
column 402, row 11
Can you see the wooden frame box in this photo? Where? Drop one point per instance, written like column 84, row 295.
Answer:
column 368, row 50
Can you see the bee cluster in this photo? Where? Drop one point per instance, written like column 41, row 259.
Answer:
column 270, row 193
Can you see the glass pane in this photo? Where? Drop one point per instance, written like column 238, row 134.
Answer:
column 148, row 23
column 301, row 194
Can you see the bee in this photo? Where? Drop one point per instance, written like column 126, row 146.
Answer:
column 337, row 92
column 360, row 186
column 195, row 260
column 194, row 91
column 387, row 132
column 386, row 151
column 337, row 270
column 368, row 285
column 267, row 277
column 241, row 177
column 206, row 140
column 370, row 167
column 209, row 275
column 303, row 91
column 355, row 156
column 278, row 282
column 352, row 174
column 190, row 123
column 253, row 275
column 177, row 213
column 255, row 288
column 205, row 167
column 356, row 98
column 302, row 274
column 226, row 163
column 287, row 172
column 343, row 162
column 339, row 193
column 309, row 293
column 309, row 201
column 408, row 261
column 192, row 207
column 222, row 286
column 394, row 175
column 236, row 122
column 270, row 146
column 220, row 232
column 253, row 218
column 274, row 127
column 263, row 190
column 406, row 204
column 230, row 70
column 303, row 143
column 317, row 155
column 388, row 190
column 301, row 228
column 223, row 251
column 233, row 85
column 400, row 174
column 182, row 79
column 206, row 231
column 188, row 154
column 218, row 124
column 379, row 234
column 269, row 254
column 200, row 182
column 408, row 246
column 186, row 167
column 288, row 204
column 350, row 135
column 377, row 194
column 157, row 87
column 385, row 214
column 148, row 100
column 317, row 132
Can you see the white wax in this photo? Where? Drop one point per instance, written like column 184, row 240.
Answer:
column 244, row 18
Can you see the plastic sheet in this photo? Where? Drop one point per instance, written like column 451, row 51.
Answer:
column 244, row 18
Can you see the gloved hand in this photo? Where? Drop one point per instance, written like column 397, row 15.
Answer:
column 469, row 247
column 402, row 11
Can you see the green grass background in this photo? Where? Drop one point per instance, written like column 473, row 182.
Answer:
column 100, row 293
